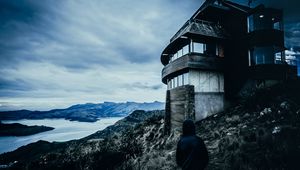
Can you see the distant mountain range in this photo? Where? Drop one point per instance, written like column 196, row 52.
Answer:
column 88, row 112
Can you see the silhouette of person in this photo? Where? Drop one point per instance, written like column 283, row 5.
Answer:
column 191, row 153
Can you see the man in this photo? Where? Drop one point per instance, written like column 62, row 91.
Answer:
column 191, row 153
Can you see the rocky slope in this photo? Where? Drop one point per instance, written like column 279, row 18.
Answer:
column 261, row 131
column 105, row 148
column 84, row 112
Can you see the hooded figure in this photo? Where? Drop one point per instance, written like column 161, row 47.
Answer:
column 191, row 153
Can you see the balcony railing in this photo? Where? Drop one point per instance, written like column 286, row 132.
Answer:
column 187, row 24
column 193, row 61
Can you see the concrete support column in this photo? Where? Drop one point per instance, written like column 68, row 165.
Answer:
column 167, row 125
column 182, row 106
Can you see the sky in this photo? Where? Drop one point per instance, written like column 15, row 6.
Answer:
column 56, row 53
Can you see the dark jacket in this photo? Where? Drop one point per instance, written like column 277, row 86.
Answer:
column 191, row 153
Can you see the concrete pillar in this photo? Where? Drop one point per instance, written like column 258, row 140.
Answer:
column 181, row 106
column 167, row 124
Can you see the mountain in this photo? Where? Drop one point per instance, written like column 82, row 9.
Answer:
column 260, row 131
column 84, row 112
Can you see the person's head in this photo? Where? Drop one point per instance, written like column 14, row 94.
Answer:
column 188, row 128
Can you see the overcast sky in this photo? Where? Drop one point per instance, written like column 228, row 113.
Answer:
column 57, row 53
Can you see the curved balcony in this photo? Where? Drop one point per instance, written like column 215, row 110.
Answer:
column 194, row 30
column 192, row 61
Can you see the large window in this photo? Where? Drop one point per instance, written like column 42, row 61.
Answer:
column 183, row 51
column 198, row 47
column 265, row 55
column 179, row 80
column 208, row 48
column 261, row 21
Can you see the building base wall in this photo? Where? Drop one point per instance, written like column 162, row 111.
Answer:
column 208, row 103
column 183, row 103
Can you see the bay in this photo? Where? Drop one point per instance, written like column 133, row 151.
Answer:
column 65, row 130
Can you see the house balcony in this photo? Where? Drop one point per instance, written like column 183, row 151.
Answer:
column 194, row 61
column 194, row 30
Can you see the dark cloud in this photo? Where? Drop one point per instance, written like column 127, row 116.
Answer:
column 143, row 86
column 63, row 52
column 15, row 84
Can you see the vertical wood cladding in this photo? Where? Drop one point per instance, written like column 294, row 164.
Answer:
column 206, row 81
column 182, row 105
column 208, row 103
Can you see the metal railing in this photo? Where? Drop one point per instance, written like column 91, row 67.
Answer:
column 189, row 22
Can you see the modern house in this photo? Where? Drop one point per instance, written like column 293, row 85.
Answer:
column 216, row 53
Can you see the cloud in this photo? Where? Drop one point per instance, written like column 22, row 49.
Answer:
column 57, row 53
column 54, row 54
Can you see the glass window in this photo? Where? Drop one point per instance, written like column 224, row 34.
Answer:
column 263, row 20
column 179, row 53
column 220, row 50
column 185, row 78
column 173, row 83
column 278, row 58
column 185, row 50
column 250, row 23
column 180, row 83
column 210, row 49
column 262, row 55
column 198, row 47
column 276, row 25
column 177, row 81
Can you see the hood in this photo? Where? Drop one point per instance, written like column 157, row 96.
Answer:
column 188, row 128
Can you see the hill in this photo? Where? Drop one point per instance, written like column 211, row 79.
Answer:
column 17, row 129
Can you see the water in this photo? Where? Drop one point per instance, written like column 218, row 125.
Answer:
column 65, row 130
